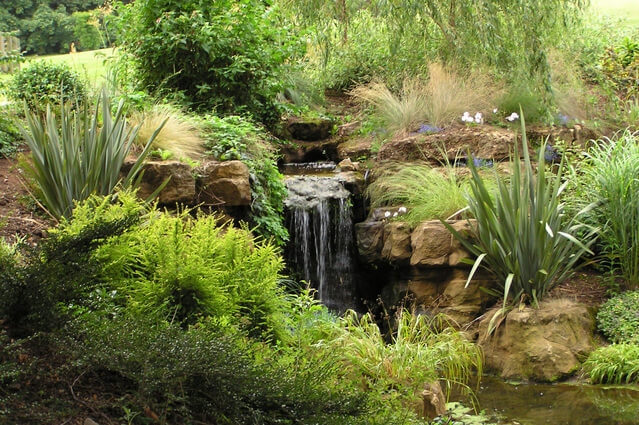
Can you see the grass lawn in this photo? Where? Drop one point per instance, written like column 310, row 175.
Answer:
column 628, row 9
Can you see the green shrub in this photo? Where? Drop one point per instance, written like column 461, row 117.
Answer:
column 201, row 375
column 527, row 99
column 225, row 55
column 9, row 135
column 235, row 137
column 618, row 318
column 610, row 178
column 614, row 364
column 74, row 157
column 522, row 235
column 43, row 83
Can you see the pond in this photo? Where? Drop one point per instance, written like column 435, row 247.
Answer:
column 571, row 404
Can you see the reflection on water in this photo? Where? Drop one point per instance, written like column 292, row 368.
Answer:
column 559, row 404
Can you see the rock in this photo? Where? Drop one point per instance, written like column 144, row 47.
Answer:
column 433, row 245
column 544, row 344
column 348, row 129
column 434, row 401
column 309, row 129
column 370, row 240
column 482, row 141
column 348, row 165
column 181, row 183
column 89, row 421
column 355, row 148
column 396, row 247
column 310, row 151
column 223, row 183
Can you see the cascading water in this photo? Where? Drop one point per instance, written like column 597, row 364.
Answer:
column 321, row 232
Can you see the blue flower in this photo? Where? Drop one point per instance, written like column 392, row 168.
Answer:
column 481, row 163
column 550, row 154
column 427, row 128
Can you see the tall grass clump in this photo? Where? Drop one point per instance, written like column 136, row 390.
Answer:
column 81, row 153
column 522, row 234
column 611, row 179
column 420, row 352
column 400, row 112
column 178, row 135
column 426, row 192
column 439, row 100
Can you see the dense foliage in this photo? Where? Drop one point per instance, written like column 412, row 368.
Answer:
column 45, row 26
column 228, row 55
column 618, row 318
column 42, row 83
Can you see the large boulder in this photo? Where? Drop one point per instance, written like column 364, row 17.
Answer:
column 223, row 183
column 180, row 183
column 544, row 344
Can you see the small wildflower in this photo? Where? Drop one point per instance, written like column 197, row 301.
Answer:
column 395, row 215
column 402, row 210
column 512, row 117
column 495, row 110
column 479, row 118
column 387, row 214
column 467, row 118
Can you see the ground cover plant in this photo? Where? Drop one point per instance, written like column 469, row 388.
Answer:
column 238, row 138
column 618, row 320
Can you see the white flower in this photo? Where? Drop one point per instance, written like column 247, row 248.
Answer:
column 395, row 215
column 512, row 117
column 402, row 210
column 387, row 214
column 479, row 118
column 495, row 111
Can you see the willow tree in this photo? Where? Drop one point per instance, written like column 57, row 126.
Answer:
column 508, row 35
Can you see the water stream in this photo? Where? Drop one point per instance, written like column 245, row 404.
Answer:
column 320, row 225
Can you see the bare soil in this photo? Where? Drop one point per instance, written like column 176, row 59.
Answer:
column 20, row 217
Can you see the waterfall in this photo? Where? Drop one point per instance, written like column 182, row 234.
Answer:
column 321, row 230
